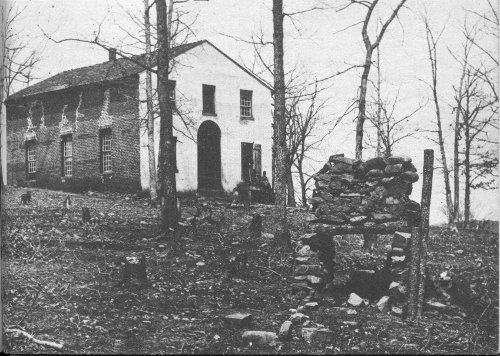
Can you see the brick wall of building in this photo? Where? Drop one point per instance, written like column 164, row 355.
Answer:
column 46, row 114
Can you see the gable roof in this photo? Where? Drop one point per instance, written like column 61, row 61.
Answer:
column 109, row 71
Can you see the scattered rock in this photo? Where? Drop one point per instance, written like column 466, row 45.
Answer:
column 238, row 320
column 285, row 332
column 435, row 304
column 351, row 312
column 322, row 336
column 355, row 300
column 383, row 304
column 306, row 333
column 267, row 236
column 305, row 251
column 397, row 311
column 302, row 259
column 298, row 318
column 308, row 269
column 260, row 338
column 312, row 306
column 314, row 279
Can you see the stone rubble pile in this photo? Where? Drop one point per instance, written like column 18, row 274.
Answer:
column 365, row 193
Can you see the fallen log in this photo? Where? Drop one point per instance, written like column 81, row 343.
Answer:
column 52, row 344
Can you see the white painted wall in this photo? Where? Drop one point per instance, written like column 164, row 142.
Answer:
column 204, row 64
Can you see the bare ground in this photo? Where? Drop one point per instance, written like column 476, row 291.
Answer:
column 60, row 283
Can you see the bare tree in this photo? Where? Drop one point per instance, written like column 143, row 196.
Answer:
column 18, row 60
column 369, row 48
column 478, row 111
column 279, row 125
column 149, row 105
column 391, row 130
column 432, row 42
column 305, row 132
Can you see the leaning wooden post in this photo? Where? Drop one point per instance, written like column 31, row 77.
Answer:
column 416, row 246
column 424, row 225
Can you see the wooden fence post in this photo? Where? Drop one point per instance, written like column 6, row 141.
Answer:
column 424, row 226
column 414, row 272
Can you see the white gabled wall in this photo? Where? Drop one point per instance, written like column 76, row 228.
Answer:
column 204, row 64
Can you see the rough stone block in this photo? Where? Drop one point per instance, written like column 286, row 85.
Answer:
column 322, row 336
column 260, row 338
column 312, row 306
column 401, row 240
column 286, row 329
column 397, row 311
column 355, row 220
column 375, row 174
column 308, row 269
column 375, row 163
column 315, row 280
column 298, row 318
column 238, row 320
column 408, row 176
column 383, row 304
column 379, row 217
column 340, row 168
column 345, row 160
column 397, row 159
column 397, row 188
column 307, row 333
column 393, row 169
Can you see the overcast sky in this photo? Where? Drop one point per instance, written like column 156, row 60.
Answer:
column 317, row 42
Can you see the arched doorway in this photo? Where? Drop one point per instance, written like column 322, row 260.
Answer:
column 209, row 160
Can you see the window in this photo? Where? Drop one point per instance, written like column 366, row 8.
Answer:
column 105, row 137
column 208, row 99
column 246, row 104
column 30, row 160
column 67, row 155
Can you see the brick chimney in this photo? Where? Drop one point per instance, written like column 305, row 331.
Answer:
column 112, row 54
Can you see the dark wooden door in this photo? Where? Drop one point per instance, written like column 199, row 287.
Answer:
column 246, row 160
column 209, row 156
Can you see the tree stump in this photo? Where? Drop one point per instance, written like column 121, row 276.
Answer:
column 256, row 226
column 85, row 215
column 134, row 268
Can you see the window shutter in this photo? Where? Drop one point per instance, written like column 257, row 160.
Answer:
column 257, row 165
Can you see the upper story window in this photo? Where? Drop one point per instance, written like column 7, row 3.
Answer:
column 246, row 104
column 208, row 99
column 30, row 160
column 67, row 155
column 105, row 138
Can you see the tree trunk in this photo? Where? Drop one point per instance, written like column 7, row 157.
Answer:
column 169, row 214
column 302, row 184
column 467, row 176
column 279, row 143
column 446, row 173
column 149, row 104
column 290, row 189
column 379, row 106
column 456, row 162
column 362, row 103
column 456, row 171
